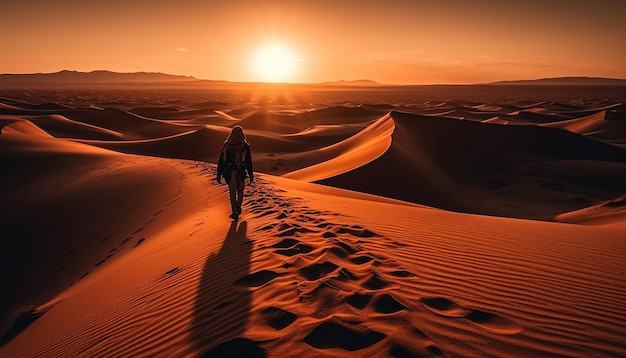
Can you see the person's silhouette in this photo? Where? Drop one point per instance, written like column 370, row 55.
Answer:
column 234, row 163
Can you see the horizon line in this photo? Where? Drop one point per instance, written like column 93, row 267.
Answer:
column 374, row 83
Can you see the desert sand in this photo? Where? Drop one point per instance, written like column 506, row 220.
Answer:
column 408, row 222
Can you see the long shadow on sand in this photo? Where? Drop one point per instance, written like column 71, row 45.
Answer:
column 223, row 304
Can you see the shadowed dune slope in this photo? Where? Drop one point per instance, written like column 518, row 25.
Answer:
column 130, row 125
column 205, row 144
column 606, row 126
column 13, row 125
column 282, row 123
column 62, row 127
column 471, row 167
column 609, row 213
column 201, row 144
column 460, row 165
column 358, row 150
column 313, row 271
column 66, row 208
column 105, row 254
column 307, row 137
column 270, row 122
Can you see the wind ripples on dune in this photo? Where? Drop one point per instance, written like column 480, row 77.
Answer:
column 309, row 269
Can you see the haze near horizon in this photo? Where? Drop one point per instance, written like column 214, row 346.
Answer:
column 399, row 42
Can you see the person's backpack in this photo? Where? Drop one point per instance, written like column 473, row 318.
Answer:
column 234, row 160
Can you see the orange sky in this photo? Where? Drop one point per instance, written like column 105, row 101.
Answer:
column 389, row 41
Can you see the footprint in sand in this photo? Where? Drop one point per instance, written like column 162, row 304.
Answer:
column 358, row 300
column 278, row 318
column 318, row 270
column 332, row 272
column 375, row 282
column 256, row 279
column 337, row 334
column 291, row 230
column 387, row 304
column 401, row 273
column 357, row 231
column 267, row 227
column 494, row 323
column 444, row 307
column 173, row 271
column 360, row 260
column 384, row 303
column 263, row 212
column 341, row 249
column 139, row 242
column 291, row 247
column 489, row 321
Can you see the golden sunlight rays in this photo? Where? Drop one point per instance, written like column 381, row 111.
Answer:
column 275, row 63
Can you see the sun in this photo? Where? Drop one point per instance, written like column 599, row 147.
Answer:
column 275, row 63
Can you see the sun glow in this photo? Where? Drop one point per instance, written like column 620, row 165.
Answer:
column 275, row 63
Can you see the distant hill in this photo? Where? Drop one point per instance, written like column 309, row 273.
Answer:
column 354, row 83
column 93, row 77
column 105, row 77
column 567, row 81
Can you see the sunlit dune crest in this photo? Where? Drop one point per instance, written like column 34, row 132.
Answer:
column 25, row 127
column 428, row 221
column 610, row 213
column 358, row 150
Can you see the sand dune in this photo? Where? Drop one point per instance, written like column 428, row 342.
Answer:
column 307, row 272
column 488, row 168
column 269, row 121
column 62, row 127
column 311, row 135
column 13, row 125
column 497, row 120
column 354, row 152
column 129, row 125
column 609, row 213
column 190, row 144
column 111, row 253
column 595, row 126
column 583, row 125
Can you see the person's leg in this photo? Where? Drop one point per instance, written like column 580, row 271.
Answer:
column 240, row 183
column 233, row 185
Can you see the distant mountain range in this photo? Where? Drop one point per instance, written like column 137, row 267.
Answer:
column 355, row 83
column 567, row 81
column 104, row 77
column 93, row 77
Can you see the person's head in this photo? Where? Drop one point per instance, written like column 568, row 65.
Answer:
column 236, row 135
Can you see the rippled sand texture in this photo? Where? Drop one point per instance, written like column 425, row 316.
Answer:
column 451, row 221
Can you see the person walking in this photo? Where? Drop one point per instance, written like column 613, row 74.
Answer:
column 234, row 164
